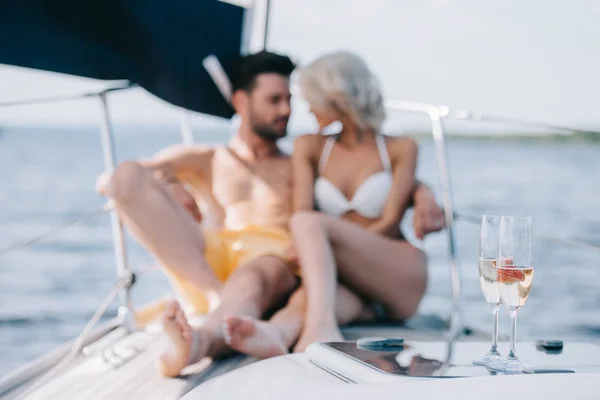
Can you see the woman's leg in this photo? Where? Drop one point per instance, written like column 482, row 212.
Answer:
column 264, row 339
column 389, row 271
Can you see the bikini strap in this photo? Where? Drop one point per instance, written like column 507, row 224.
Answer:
column 383, row 153
column 325, row 153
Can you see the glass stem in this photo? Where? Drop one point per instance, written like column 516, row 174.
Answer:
column 495, row 312
column 513, row 333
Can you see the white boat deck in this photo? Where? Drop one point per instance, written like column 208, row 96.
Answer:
column 90, row 377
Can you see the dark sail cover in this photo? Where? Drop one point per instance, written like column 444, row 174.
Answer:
column 158, row 44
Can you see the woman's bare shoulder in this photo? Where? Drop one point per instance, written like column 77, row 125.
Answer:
column 309, row 144
column 401, row 146
column 400, row 141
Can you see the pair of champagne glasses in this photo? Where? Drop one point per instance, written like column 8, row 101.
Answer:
column 505, row 276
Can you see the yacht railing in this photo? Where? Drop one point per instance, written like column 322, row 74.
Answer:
column 439, row 137
column 123, row 85
column 436, row 114
column 124, row 273
column 126, row 315
column 478, row 117
column 125, row 277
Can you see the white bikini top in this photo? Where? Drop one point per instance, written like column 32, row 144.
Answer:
column 370, row 197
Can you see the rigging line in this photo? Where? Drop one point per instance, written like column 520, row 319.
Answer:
column 67, row 97
column 79, row 342
column 18, row 245
column 475, row 220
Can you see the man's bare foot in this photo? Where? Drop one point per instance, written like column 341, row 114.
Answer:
column 325, row 333
column 183, row 340
column 253, row 337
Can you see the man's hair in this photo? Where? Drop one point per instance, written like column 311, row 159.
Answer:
column 263, row 62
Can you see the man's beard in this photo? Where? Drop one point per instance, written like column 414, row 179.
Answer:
column 267, row 133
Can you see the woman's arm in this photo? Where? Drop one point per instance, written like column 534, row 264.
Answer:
column 304, row 171
column 403, row 153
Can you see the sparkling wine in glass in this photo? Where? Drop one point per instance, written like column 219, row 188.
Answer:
column 514, row 279
column 487, row 258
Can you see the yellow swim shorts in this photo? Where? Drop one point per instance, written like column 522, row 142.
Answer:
column 225, row 250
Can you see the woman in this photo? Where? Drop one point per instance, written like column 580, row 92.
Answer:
column 360, row 181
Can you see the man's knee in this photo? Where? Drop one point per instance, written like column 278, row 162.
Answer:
column 255, row 281
column 266, row 277
column 307, row 220
column 127, row 181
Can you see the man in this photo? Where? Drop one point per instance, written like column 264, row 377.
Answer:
column 245, row 187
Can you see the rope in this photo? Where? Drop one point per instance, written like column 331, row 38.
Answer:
column 78, row 344
column 471, row 218
column 19, row 245
column 476, row 220
column 69, row 97
column 467, row 115
column 104, row 208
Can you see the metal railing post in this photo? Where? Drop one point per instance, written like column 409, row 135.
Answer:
column 123, row 272
column 258, row 30
column 185, row 127
column 437, row 129
column 266, row 24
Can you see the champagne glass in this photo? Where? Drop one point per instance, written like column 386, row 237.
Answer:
column 515, row 276
column 488, row 252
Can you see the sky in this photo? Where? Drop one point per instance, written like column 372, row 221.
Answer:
column 537, row 60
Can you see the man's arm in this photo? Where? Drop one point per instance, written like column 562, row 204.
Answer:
column 177, row 163
column 183, row 197
column 172, row 165
column 428, row 215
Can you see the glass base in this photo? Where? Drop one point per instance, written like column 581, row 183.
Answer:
column 510, row 366
column 492, row 357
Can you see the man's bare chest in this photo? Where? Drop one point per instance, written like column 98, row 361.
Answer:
column 234, row 181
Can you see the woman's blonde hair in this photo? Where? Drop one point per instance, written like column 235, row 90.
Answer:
column 342, row 82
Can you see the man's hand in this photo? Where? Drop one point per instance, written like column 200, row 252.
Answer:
column 102, row 183
column 183, row 197
column 428, row 215
column 290, row 256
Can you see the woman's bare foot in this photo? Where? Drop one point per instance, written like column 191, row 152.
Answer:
column 253, row 337
column 322, row 333
column 183, row 340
